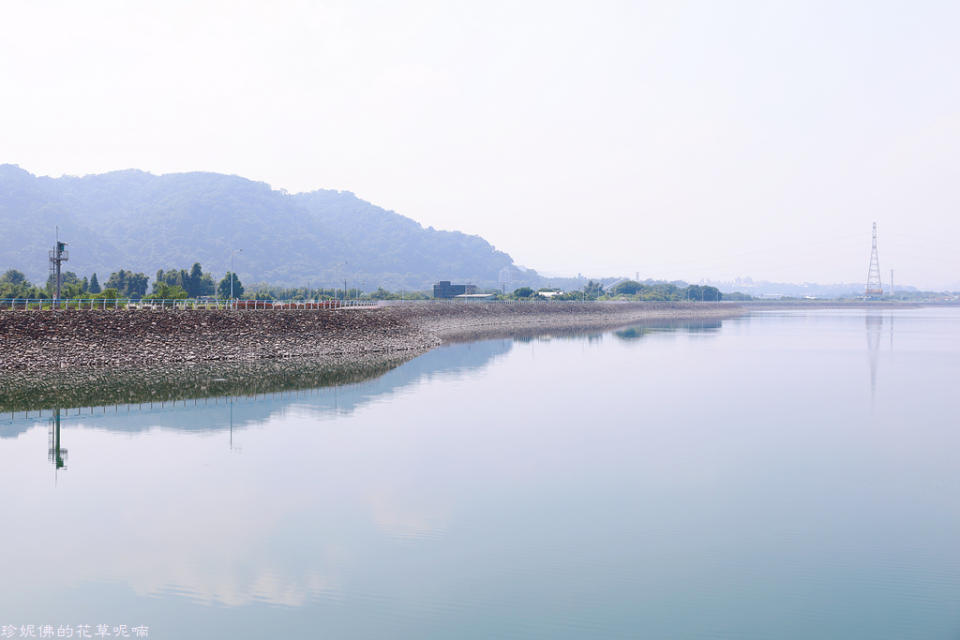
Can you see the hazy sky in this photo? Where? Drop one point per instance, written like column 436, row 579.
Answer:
column 677, row 139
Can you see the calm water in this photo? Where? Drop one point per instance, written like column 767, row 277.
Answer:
column 783, row 475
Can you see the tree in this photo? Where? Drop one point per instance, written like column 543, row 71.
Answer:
column 628, row 287
column 70, row 290
column 593, row 289
column 383, row 294
column 66, row 277
column 223, row 289
column 195, row 282
column 128, row 283
column 94, row 284
column 14, row 277
column 164, row 291
column 702, row 293
column 523, row 292
column 200, row 283
column 14, row 284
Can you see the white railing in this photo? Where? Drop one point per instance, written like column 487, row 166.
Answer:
column 99, row 304
column 94, row 304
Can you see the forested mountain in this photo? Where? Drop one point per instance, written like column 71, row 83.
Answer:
column 143, row 222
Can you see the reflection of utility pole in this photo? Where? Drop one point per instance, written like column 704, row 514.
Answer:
column 233, row 449
column 56, row 454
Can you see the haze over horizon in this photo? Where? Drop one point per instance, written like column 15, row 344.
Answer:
column 680, row 140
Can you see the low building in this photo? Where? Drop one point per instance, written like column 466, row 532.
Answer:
column 444, row 289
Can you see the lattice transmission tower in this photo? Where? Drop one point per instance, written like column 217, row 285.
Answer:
column 874, row 286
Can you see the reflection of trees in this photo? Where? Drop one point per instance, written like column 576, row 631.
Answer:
column 692, row 326
column 31, row 392
column 155, row 386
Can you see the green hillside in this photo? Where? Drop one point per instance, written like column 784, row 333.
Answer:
column 135, row 220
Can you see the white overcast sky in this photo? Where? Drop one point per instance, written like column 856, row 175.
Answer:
column 676, row 139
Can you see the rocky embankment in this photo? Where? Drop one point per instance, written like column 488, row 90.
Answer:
column 40, row 339
column 37, row 340
column 458, row 321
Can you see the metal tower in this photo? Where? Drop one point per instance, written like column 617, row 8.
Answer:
column 58, row 255
column 874, row 286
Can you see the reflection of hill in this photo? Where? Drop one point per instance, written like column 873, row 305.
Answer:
column 212, row 397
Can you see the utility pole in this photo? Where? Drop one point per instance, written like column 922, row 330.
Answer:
column 58, row 255
column 891, row 282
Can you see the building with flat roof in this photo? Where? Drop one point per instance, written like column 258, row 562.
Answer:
column 444, row 289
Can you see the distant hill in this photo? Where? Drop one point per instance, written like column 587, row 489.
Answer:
column 136, row 220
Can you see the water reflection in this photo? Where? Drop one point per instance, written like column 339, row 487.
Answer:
column 874, row 324
column 203, row 398
column 127, row 390
column 56, row 453
column 194, row 398
column 690, row 326
column 29, row 391
column 563, row 496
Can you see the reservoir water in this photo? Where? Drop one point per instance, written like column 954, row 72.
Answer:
column 789, row 475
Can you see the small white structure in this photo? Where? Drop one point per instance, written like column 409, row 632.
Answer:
column 474, row 296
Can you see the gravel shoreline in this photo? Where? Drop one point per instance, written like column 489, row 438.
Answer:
column 456, row 322
column 44, row 340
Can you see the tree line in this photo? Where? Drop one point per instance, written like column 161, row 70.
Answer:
column 625, row 290
column 195, row 283
column 170, row 284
